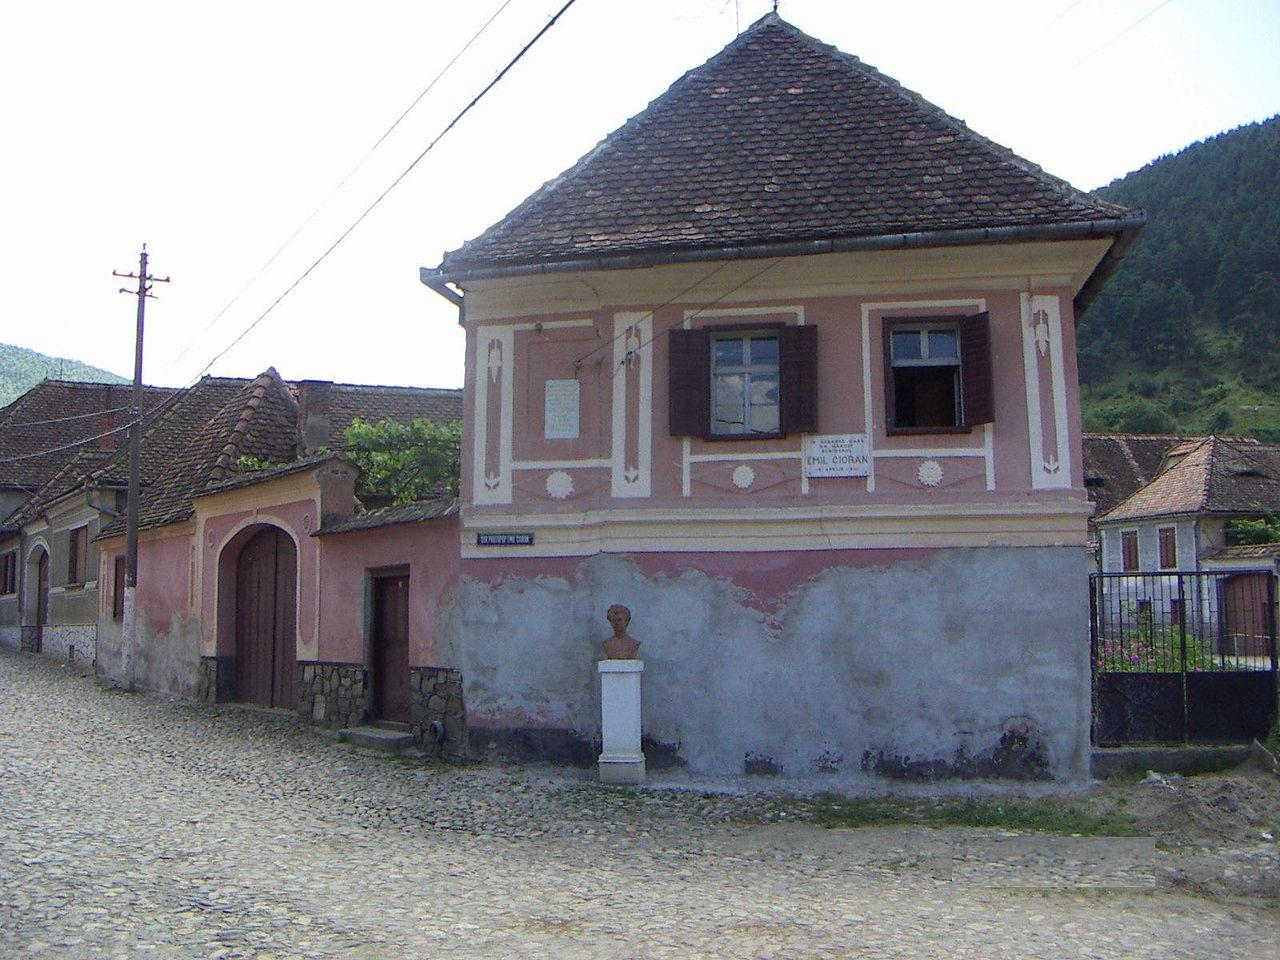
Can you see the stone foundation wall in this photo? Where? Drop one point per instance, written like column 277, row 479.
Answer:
column 333, row 694
column 435, row 695
column 30, row 641
column 11, row 637
column 72, row 643
column 217, row 679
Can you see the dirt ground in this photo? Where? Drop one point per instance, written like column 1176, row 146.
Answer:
column 1220, row 831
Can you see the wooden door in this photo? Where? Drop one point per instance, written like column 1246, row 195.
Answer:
column 389, row 653
column 42, row 599
column 1246, row 621
column 266, row 624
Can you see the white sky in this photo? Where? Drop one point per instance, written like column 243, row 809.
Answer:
column 211, row 132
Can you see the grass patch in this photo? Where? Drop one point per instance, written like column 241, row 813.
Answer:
column 1036, row 816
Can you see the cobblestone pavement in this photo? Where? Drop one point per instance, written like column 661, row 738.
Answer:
column 138, row 827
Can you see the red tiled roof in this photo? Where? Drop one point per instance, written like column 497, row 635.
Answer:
column 779, row 138
column 25, row 426
column 1214, row 475
column 1116, row 465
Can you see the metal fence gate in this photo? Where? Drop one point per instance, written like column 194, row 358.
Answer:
column 1182, row 657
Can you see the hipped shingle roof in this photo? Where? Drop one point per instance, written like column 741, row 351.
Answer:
column 778, row 138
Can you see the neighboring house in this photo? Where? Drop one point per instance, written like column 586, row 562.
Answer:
column 787, row 366
column 49, row 575
column 269, row 586
column 1180, row 521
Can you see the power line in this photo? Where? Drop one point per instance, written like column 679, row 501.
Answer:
column 1146, row 16
column 70, row 446
column 409, row 169
column 666, row 303
column 78, row 416
column 1064, row 13
column 703, row 309
column 343, row 182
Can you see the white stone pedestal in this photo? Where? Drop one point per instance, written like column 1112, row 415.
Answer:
column 621, row 760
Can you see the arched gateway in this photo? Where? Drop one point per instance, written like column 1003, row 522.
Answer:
column 266, row 585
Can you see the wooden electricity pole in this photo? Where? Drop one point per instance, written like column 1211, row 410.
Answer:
column 143, row 293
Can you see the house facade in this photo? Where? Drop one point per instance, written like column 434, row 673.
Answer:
column 1181, row 522
column 48, row 558
column 269, row 584
column 786, row 365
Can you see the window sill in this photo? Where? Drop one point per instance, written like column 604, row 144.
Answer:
column 923, row 431
column 74, row 586
column 717, row 437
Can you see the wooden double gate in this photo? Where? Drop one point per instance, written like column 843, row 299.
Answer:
column 1183, row 657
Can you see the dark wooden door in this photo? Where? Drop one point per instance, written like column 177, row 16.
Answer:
column 389, row 654
column 266, row 623
column 1246, row 620
column 42, row 599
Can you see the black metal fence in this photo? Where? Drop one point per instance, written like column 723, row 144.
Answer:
column 1183, row 656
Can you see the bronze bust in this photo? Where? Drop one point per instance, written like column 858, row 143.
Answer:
column 620, row 646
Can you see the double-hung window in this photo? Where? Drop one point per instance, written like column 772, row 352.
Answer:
column 78, row 556
column 745, row 382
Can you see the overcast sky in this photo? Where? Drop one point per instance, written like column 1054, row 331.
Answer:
column 213, row 131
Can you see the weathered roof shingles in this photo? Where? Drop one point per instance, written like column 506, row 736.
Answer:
column 778, row 138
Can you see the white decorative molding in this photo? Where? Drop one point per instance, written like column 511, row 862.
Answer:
column 1047, row 434
column 688, row 458
column 559, row 464
column 743, row 477
column 559, row 485
column 491, row 456
column 833, row 527
column 632, row 394
column 930, row 473
column 986, row 451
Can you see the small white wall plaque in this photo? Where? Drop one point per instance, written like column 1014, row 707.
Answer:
column 836, row 455
column 560, row 410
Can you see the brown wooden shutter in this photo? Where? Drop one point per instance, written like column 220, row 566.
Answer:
column 890, row 399
column 689, row 383
column 117, row 589
column 798, row 377
column 1129, row 549
column 1168, row 548
column 975, row 370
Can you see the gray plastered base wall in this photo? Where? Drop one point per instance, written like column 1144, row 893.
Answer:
column 11, row 637
column 934, row 666
column 164, row 661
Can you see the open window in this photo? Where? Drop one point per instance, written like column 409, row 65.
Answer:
column 743, row 382
column 937, row 374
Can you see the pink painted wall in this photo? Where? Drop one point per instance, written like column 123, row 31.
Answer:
column 550, row 353
column 297, row 519
column 164, row 578
column 429, row 550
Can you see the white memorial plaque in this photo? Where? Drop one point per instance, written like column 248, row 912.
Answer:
column 836, row 455
column 560, row 410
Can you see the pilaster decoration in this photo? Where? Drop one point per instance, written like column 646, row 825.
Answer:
column 632, row 431
column 491, row 452
column 1046, row 382
column 435, row 696
column 333, row 694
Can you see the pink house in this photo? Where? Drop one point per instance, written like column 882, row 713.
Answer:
column 786, row 365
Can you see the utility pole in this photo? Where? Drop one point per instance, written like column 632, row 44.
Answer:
column 143, row 293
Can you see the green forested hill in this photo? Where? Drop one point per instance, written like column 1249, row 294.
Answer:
column 21, row 369
column 1186, row 335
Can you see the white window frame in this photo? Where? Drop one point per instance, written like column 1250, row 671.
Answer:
column 924, row 360
column 746, row 370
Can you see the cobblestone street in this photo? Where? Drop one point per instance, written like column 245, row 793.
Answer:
column 138, row 827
